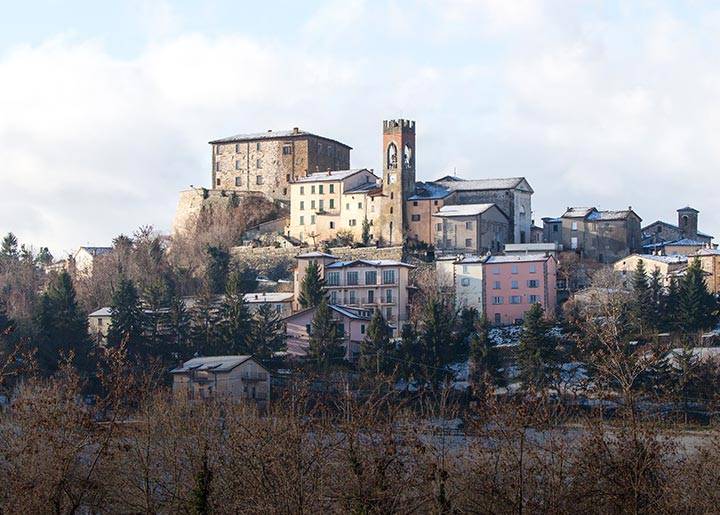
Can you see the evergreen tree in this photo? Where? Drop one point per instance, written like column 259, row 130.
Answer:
column 326, row 346
column 204, row 318
column 44, row 257
column 409, row 355
column 234, row 319
column 642, row 308
column 365, row 236
column 467, row 322
column 437, row 346
column 485, row 366
column 155, row 318
column 9, row 246
column 200, row 494
column 218, row 268
column 537, row 355
column 697, row 304
column 267, row 334
column 657, row 298
column 178, row 328
column 61, row 326
column 312, row 287
column 671, row 306
column 128, row 319
column 377, row 350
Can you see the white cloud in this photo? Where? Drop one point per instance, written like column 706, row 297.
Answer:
column 592, row 110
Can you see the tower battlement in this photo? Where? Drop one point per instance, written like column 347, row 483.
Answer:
column 399, row 125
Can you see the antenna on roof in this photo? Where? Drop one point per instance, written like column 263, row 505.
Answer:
column 454, row 171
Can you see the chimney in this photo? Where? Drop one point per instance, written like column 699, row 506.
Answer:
column 269, row 130
column 296, row 130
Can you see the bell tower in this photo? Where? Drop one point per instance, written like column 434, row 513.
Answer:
column 398, row 178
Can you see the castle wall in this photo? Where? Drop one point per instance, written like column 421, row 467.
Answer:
column 192, row 202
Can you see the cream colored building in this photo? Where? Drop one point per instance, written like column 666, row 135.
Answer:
column 98, row 324
column 280, row 302
column 667, row 265
column 227, row 377
column 84, row 259
column 382, row 284
column 324, row 203
column 710, row 263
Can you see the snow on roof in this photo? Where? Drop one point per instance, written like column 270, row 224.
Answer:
column 577, row 212
column 463, row 210
column 664, row 259
column 592, row 213
column 429, row 191
column 333, row 175
column 708, row 252
column 211, row 363
column 102, row 312
column 273, row 135
column 457, row 184
column 316, row 254
column 518, row 258
column 368, row 262
column 263, row 297
column 354, row 313
column 685, row 241
column 362, row 188
column 668, row 224
column 96, row 251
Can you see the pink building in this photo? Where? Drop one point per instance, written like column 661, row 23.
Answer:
column 514, row 283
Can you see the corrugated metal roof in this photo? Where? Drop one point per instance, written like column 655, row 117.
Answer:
column 273, row 135
column 211, row 363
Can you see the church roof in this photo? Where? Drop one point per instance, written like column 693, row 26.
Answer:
column 457, row 184
column 270, row 135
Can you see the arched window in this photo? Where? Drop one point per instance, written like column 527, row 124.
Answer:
column 392, row 156
column 407, row 156
column 684, row 220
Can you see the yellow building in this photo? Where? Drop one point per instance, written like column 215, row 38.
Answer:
column 667, row 265
column 324, row 203
column 710, row 263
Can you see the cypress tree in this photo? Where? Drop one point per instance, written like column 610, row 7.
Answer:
column 697, row 304
column 267, row 334
column 657, row 298
column 62, row 327
column 376, row 349
column 326, row 348
column 365, row 236
column 671, row 306
column 537, row 357
column 312, row 287
column 128, row 319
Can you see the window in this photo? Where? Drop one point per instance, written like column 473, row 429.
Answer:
column 388, row 296
column 533, row 268
column 415, row 203
column 287, row 149
column 237, row 148
column 320, row 189
column 516, row 299
column 238, row 181
column 217, row 181
column 415, row 218
column 514, row 269
column 340, row 329
column 435, row 203
column 347, row 206
column 284, row 191
column 352, row 223
column 218, row 149
column 574, row 226
column 312, row 204
column 514, row 285
column 465, row 269
column 468, row 226
column 308, row 329
column 100, row 322
column 359, row 205
column 533, row 283
column 258, row 163
column 312, row 219
column 438, row 227
column 574, row 243
column 370, row 277
column 312, row 190
column 468, row 242
column 278, row 308
column 257, row 146
column 496, row 285
column 321, row 206
column 238, row 165
column 332, row 203
column 388, row 314
column 259, row 180
column 333, row 297
column 371, row 297
column 302, row 205
column 496, row 270
column 331, row 188
column 352, row 278
column 287, row 177
column 498, row 319
column 465, row 281
column 362, row 328
column 533, row 299
column 332, row 225
column 388, row 276
column 302, row 190
column 333, row 278
column 302, row 220
column 217, row 166
column 556, row 228
column 352, row 298
column 498, row 300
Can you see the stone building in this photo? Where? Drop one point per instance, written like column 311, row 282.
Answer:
column 470, row 229
column 427, row 200
column 657, row 235
column 710, row 263
column 602, row 236
column 268, row 162
column 512, row 195
column 668, row 266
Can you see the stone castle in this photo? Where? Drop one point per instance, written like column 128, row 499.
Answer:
column 311, row 175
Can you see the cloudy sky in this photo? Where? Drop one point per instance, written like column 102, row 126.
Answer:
column 106, row 107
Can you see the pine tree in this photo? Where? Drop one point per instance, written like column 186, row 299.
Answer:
column 697, row 304
column 9, row 246
column 44, row 257
column 365, row 236
column 437, row 346
column 7, row 325
column 235, row 324
column 326, row 347
column 267, row 334
column 61, row 326
column 377, row 350
column 218, row 268
column 642, row 299
column 485, row 366
column 409, row 355
column 178, row 327
column 155, row 301
column 467, row 322
column 312, row 287
column 204, row 321
column 128, row 319
column 200, row 494
column 537, row 355
column 657, row 298
column 671, row 306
